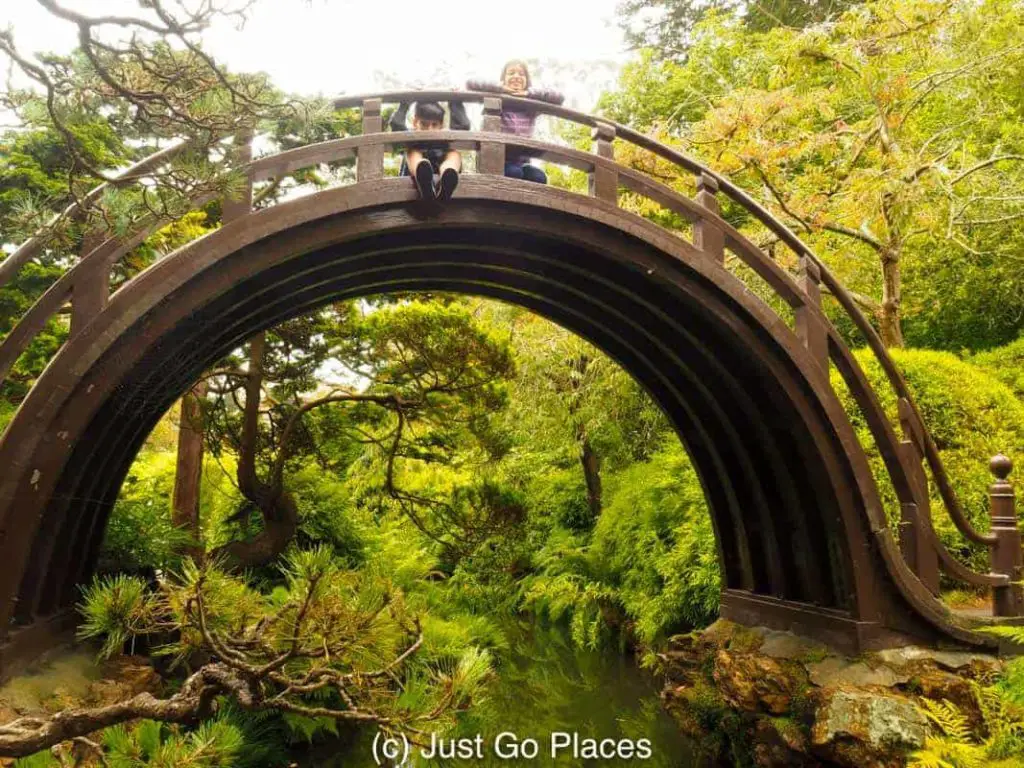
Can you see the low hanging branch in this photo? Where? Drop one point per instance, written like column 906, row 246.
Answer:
column 150, row 74
column 274, row 659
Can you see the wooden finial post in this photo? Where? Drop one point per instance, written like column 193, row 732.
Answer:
column 1006, row 551
column 370, row 158
column 492, row 154
column 706, row 236
column 604, row 181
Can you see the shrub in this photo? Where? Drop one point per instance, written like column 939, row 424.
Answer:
column 655, row 543
column 1005, row 363
column 326, row 514
column 139, row 534
column 651, row 559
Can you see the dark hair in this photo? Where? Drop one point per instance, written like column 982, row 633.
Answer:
column 521, row 63
column 430, row 111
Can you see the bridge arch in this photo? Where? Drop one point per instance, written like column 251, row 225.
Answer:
column 800, row 530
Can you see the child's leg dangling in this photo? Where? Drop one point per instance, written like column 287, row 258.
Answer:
column 449, row 175
column 533, row 173
column 422, row 173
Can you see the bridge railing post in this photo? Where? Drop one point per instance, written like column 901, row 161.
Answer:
column 915, row 516
column 1006, row 555
column 809, row 327
column 491, row 158
column 370, row 158
column 604, row 181
column 90, row 290
column 707, row 237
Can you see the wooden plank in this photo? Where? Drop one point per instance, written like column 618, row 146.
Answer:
column 89, row 294
column 236, row 207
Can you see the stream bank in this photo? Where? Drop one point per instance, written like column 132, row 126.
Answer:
column 753, row 696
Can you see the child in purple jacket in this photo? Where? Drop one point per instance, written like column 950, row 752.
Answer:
column 515, row 80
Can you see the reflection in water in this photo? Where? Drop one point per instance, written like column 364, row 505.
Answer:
column 547, row 686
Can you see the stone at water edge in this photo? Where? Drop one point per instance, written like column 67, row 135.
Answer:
column 755, row 683
column 866, row 728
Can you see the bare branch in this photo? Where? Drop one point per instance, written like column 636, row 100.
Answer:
column 984, row 164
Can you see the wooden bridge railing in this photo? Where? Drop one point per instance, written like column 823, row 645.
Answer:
column 87, row 287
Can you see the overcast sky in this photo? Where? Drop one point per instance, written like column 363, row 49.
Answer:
column 352, row 46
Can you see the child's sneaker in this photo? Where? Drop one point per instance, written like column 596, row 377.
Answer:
column 446, row 186
column 424, row 175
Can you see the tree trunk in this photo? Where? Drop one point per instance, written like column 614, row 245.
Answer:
column 279, row 510
column 889, row 315
column 248, row 482
column 189, row 470
column 591, row 471
column 589, row 458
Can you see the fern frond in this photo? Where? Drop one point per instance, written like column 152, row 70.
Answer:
column 1015, row 634
column 945, row 752
column 948, row 718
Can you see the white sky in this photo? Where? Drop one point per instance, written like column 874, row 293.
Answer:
column 352, row 46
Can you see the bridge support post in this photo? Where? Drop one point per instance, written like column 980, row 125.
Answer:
column 604, row 182
column 1006, row 551
column 915, row 516
column 492, row 155
column 809, row 327
column 370, row 158
column 706, row 236
column 89, row 292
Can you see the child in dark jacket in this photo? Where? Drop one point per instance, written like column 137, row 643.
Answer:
column 423, row 161
column 515, row 80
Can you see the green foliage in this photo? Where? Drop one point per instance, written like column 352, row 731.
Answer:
column 584, row 603
column 326, row 514
column 213, row 744
column 38, row 760
column 652, row 558
column 323, row 618
column 971, row 415
column 16, row 297
column 655, row 543
column 1005, row 363
column 667, row 26
column 140, row 534
column 1011, row 682
column 1015, row 634
column 892, row 148
column 117, row 609
column 956, row 744
column 34, row 168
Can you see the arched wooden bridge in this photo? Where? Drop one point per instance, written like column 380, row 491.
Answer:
column 803, row 538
